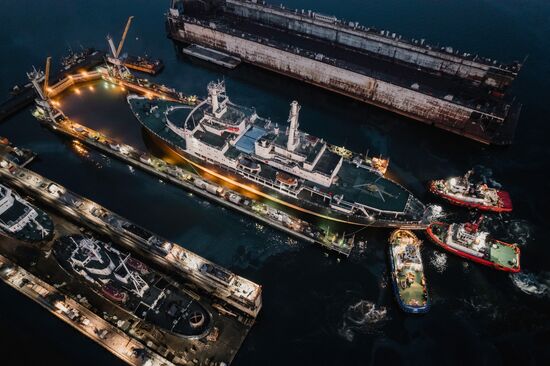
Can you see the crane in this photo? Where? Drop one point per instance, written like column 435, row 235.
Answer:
column 47, row 76
column 116, row 50
column 119, row 49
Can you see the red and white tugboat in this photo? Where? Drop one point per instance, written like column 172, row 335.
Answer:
column 463, row 192
column 467, row 241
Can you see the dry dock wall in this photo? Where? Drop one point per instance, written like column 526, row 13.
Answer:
column 381, row 45
column 440, row 112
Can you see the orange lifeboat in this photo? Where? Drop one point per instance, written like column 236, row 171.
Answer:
column 286, row 179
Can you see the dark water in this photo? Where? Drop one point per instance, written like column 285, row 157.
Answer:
column 317, row 310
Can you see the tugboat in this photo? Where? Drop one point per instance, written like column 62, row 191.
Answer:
column 407, row 275
column 463, row 192
column 467, row 241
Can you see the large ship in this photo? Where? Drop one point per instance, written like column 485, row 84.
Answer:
column 133, row 286
column 407, row 272
column 455, row 91
column 462, row 191
column 467, row 241
column 21, row 220
column 278, row 162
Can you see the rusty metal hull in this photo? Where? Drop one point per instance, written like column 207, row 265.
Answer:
column 455, row 104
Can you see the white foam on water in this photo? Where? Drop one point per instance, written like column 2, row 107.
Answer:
column 363, row 317
column 532, row 284
column 439, row 261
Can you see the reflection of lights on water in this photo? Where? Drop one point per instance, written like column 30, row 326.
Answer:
column 77, row 91
column 91, row 88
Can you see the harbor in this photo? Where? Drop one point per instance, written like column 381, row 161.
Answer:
column 232, row 301
column 473, row 271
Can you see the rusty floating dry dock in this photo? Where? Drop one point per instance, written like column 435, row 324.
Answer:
column 458, row 92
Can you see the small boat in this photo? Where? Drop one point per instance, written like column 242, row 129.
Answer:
column 407, row 272
column 463, row 192
column 467, row 241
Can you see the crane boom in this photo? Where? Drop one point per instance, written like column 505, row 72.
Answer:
column 47, row 75
column 119, row 49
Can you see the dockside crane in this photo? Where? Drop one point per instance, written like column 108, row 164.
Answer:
column 46, row 86
column 115, row 51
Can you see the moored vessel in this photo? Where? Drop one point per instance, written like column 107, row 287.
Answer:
column 468, row 241
column 407, row 272
column 133, row 286
column 280, row 163
column 21, row 220
column 462, row 191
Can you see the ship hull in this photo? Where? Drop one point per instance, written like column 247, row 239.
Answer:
column 435, row 239
column 503, row 195
column 300, row 205
column 439, row 111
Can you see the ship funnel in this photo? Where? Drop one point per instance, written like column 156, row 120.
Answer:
column 293, row 138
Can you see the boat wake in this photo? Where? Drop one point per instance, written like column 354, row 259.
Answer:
column 439, row 261
column 532, row 284
column 363, row 317
column 511, row 231
column 519, row 231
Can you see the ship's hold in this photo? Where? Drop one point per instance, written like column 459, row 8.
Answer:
column 407, row 272
column 455, row 91
column 467, row 241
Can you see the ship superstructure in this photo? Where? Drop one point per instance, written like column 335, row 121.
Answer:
column 468, row 241
column 280, row 162
column 456, row 91
column 463, row 191
column 133, row 286
column 20, row 219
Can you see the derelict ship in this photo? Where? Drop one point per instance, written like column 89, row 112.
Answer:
column 456, row 91
column 132, row 285
column 285, row 165
column 21, row 220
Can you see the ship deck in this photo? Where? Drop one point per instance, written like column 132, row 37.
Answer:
column 355, row 184
column 366, row 187
column 503, row 255
column 438, row 85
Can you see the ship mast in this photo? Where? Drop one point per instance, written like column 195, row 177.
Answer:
column 293, row 137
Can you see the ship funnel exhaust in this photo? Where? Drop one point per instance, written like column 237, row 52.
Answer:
column 293, row 138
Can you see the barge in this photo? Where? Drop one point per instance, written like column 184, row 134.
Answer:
column 456, row 91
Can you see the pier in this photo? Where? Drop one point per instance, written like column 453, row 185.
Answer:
column 33, row 269
column 78, row 316
column 238, row 293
